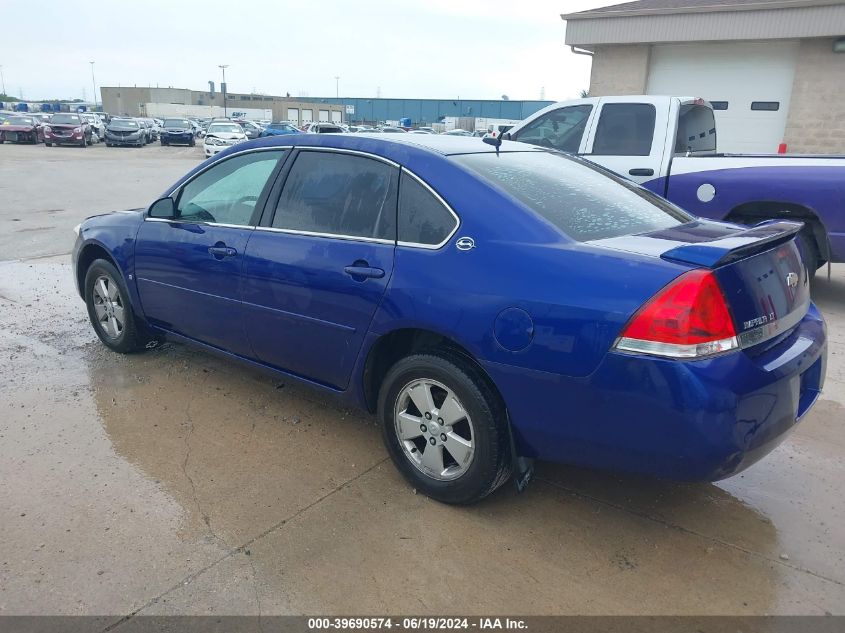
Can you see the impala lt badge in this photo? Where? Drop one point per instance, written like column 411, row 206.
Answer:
column 792, row 280
column 465, row 243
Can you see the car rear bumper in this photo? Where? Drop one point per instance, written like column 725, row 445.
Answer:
column 689, row 420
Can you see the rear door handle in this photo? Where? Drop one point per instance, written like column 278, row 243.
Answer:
column 222, row 251
column 364, row 271
column 641, row 171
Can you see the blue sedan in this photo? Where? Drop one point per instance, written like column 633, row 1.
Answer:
column 279, row 129
column 492, row 303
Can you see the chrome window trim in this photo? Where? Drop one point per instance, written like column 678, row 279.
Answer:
column 430, row 247
column 354, row 238
column 343, row 150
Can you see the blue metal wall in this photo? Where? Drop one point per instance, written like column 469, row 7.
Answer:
column 422, row 111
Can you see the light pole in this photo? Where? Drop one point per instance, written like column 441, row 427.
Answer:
column 3, row 79
column 223, row 67
column 337, row 87
column 94, row 81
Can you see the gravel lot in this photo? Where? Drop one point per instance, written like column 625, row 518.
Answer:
column 173, row 482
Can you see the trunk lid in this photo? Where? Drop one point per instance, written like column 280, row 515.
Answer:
column 760, row 269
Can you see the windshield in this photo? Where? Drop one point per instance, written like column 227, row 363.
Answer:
column 19, row 120
column 123, row 123
column 280, row 126
column 231, row 128
column 69, row 119
column 183, row 123
column 585, row 202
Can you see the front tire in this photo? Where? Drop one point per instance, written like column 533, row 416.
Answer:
column 444, row 427
column 110, row 310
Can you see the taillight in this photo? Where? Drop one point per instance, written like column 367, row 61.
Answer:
column 689, row 318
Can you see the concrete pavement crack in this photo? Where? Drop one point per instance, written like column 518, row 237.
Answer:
column 191, row 577
column 685, row 530
column 205, row 518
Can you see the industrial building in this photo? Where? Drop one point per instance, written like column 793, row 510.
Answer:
column 147, row 101
column 773, row 69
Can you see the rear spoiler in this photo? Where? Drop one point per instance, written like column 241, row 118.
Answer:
column 755, row 239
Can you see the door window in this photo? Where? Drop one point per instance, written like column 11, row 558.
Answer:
column 560, row 129
column 423, row 219
column 339, row 194
column 228, row 192
column 625, row 129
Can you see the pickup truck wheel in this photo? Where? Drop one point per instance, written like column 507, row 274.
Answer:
column 109, row 308
column 444, row 428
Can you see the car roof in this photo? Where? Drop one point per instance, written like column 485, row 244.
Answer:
column 393, row 143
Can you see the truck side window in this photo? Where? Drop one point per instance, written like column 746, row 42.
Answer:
column 625, row 129
column 559, row 129
column 696, row 130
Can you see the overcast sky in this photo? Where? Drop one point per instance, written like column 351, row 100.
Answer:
column 408, row 48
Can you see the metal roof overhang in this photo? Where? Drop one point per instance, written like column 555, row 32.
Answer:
column 740, row 22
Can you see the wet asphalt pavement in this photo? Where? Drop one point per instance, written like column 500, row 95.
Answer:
column 173, row 482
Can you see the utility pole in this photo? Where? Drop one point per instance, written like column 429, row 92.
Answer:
column 337, row 87
column 94, row 81
column 223, row 87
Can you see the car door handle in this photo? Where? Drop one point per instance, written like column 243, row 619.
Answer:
column 222, row 251
column 364, row 271
column 641, row 171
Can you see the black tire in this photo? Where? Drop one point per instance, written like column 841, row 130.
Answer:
column 129, row 339
column 490, row 465
column 48, row 144
column 810, row 250
column 192, row 143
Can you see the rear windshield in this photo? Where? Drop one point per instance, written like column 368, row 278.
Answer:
column 60, row 119
column 580, row 200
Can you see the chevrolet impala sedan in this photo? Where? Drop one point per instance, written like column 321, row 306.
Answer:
column 491, row 302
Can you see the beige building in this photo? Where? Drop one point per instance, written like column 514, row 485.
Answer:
column 159, row 102
column 773, row 69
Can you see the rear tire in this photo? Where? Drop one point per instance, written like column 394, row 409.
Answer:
column 473, row 421
column 48, row 144
column 110, row 310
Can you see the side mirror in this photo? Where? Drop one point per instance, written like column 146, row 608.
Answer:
column 164, row 208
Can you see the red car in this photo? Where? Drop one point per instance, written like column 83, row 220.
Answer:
column 68, row 127
column 20, row 129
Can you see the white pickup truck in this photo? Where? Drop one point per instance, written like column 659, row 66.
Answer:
column 669, row 145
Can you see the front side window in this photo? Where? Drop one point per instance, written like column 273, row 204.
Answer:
column 580, row 200
column 625, row 129
column 227, row 193
column 560, row 129
column 339, row 194
column 422, row 217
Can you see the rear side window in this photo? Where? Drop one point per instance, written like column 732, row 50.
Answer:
column 580, row 200
column 625, row 129
column 339, row 194
column 423, row 219
column 559, row 129
column 696, row 129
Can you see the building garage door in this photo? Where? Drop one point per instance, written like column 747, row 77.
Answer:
column 748, row 82
column 336, row 116
column 293, row 115
column 307, row 115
